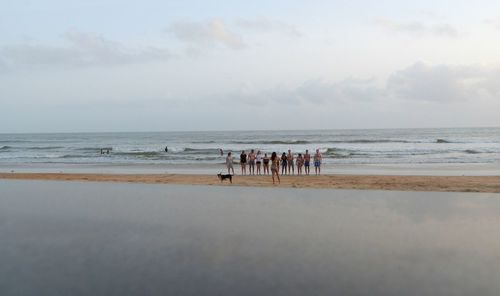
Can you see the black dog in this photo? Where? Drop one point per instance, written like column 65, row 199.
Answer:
column 223, row 177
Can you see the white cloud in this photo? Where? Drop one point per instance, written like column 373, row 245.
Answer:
column 418, row 29
column 317, row 92
column 493, row 22
column 83, row 49
column 420, row 82
column 207, row 34
column 444, row 83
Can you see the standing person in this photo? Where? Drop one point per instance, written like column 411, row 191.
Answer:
column 251, row 162
column 317, row 162
column 300, row 163
column 266, row 164
column 275, row 166
column 221, row 151
column 243, row 162
column 229, row 163
column 307, row 162
column 283, row 164
column 258, row 161
column 291, row 166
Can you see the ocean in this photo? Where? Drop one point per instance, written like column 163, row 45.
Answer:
column 370, row 146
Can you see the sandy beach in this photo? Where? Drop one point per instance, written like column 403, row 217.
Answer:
column 366, row 182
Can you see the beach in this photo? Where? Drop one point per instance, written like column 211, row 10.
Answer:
column 101, row 238
column 365, row 182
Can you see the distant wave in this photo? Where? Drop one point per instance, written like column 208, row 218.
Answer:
column 362, row 141
column 44, row 148
column 89, row 149
column 302, row 142
column 203, row 142
column 297, row 142
column 337, row 153
column 139, row 153
column 199, row 151
column 5, row 147
column 470, row 151
column 442, row 141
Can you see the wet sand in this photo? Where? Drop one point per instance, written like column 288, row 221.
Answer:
column 88, row 238
column 367, row 182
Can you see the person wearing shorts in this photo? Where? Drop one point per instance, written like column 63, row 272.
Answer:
column 283, row 163
column 307, row 161
column 229, row 163
column 258, row 162
column 317, row 162
column 251, row 162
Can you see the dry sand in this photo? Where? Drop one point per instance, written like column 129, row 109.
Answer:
column 373, row 182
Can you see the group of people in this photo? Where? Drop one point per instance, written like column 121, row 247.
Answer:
column 259, row 164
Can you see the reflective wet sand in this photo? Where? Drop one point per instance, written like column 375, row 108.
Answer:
column 69, row 238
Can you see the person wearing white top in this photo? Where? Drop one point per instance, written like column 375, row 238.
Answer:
column 258, row 161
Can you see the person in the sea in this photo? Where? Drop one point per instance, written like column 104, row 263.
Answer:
column 307, row 162
column 221, row 151
column 258, row 162
column 300, row 163
column 229, row 163
column 166, row 148
column 290, row 162
column 275, row 166
column 283, row 163
column 251, row 162
column 265, row 164
column 317, row 162
column 243, row 162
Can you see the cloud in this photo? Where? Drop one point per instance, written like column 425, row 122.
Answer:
column 420, row 82
column 83, row 49
column 444, row 83
column 316, row 92
column 207, row 34
column 493, row 22
column 418, row 29
column 266, row 25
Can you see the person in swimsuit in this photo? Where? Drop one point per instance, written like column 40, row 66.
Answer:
column 265, row 162
column 300, row 163
column 251, row 162
column 317, row 162
column 307, row 161
column 258, row 161
column 275, row 166
column 229, row 163
column 243, row 162
column 290, row 162
column 283, row 163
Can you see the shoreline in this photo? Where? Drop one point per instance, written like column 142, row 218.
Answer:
column 489, row 184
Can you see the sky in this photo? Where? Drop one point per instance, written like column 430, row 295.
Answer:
column 151, row 65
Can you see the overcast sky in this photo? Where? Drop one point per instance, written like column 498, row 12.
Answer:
column 98, row 65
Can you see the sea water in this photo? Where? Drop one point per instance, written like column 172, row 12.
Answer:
column 383, row 146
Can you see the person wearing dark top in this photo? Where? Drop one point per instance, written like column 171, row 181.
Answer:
column 283, row 163
column 243, row 162
column 266, row 164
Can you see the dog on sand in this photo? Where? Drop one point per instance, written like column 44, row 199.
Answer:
column 224, row 177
